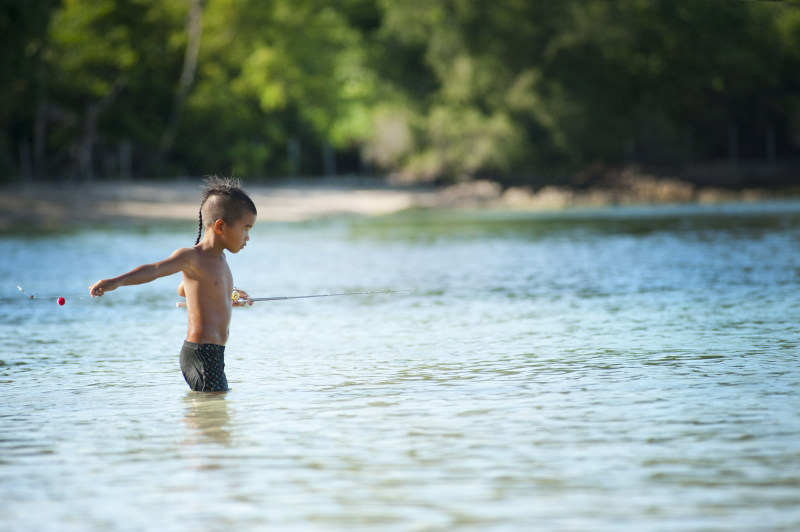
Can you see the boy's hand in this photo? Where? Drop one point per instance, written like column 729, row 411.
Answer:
column 101, row 287
column 242, row 300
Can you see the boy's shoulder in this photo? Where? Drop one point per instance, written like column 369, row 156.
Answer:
column 199, row 253
column 186, row 256
column 185, row 253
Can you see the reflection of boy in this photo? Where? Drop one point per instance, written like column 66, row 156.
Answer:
column 207, row 283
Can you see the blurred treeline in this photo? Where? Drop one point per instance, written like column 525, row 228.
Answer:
column 521, row 91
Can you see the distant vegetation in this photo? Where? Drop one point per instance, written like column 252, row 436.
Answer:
column 519, row 91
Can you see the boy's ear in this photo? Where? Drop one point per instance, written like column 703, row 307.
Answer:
column 218, row 226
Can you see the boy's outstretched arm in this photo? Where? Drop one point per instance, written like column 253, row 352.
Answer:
column 144, row 274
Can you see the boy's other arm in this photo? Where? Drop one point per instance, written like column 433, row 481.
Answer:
column 243, row 299
column 145, row 273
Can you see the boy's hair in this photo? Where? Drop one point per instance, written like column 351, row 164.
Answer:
column 222, row 198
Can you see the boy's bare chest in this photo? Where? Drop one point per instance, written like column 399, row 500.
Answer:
column 216, row 272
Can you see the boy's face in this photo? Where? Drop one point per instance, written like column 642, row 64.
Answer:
column 236, row 235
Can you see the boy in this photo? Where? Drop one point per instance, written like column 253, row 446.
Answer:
column 207, row 283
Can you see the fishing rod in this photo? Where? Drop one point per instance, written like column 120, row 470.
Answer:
column 236, row 296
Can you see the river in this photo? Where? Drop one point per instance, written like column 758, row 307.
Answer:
column 613, row 369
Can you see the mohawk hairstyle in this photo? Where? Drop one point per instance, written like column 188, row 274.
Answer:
column 222, row 198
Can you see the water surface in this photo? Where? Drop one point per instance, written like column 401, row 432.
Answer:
column 618, row 369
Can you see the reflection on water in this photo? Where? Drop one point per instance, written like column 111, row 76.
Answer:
column 207, row 416
column 621, row 369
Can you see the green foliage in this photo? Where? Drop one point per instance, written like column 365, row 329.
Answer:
column 110, row 66
column 517, row 90
column 581, row 82
column 23, row 28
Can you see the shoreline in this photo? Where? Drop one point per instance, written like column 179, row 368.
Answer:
column 50, row 205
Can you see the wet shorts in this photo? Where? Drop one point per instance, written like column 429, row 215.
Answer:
column 203, row 367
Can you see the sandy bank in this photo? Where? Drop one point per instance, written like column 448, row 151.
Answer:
column 50, row 205
column 53, row 205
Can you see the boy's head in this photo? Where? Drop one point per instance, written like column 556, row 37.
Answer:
column 223, row 199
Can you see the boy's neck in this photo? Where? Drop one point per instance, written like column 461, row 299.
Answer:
column 211, row 243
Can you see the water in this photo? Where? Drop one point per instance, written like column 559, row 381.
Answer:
column 620, row 369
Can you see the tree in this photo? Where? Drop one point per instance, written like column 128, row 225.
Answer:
column 110, row 67
column 289, row 72
column 194, row 32
column 23, row 34
column 544, row 89
column 514, row 90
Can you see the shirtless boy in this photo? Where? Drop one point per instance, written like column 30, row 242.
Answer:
column 207, row 285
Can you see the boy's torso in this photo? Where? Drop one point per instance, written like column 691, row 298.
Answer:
column 208, row 284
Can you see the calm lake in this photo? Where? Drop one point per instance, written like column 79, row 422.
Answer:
column 630, row 369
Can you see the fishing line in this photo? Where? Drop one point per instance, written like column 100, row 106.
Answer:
column 235, row 296
column 61, row 300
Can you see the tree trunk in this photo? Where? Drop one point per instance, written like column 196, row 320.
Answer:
column 194, row 30
column 91, row 114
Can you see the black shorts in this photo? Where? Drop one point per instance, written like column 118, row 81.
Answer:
column 203, row 367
